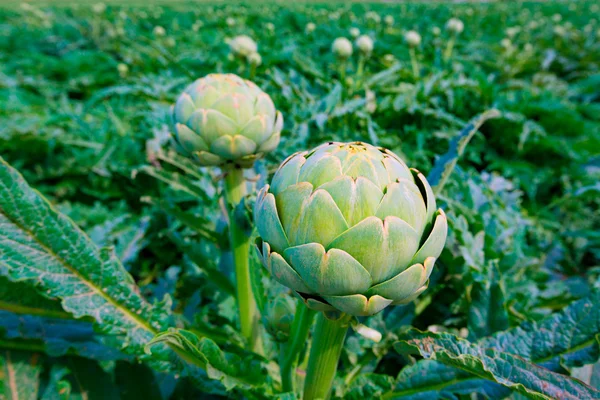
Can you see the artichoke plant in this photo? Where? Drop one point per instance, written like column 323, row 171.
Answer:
column 224, row 119
column 349, row 227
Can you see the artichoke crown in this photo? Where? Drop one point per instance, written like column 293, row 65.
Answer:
column 223, row 118
column 349, row 226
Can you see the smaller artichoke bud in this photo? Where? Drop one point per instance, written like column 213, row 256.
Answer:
column 99, row 8
column 512, row 31
column 389, row 59
column 436, row 31
column 365, row 45
column 197, row 25
column 123, row 69
column 354, row 32
column 310, row 28
column 255, row 59
column 230, row 22
column 412, row 38
column 557, row 18
column 270, row 27
column 224, row 119
column 372, row 18
column 506, row 43
column 342, row 48
column 242, row 46
column 389, row 20
column 279, row 317
column 159, row 31
column 455, row 26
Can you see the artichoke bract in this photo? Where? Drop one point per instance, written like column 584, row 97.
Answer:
column 349, row 227
column 224, row 119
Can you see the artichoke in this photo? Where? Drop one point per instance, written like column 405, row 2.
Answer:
column 222, row 118
column 279, row 317
column 349, row 227
column 342, row 48
column 413, row 38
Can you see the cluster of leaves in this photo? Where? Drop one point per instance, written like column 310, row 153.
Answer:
column 126, row 241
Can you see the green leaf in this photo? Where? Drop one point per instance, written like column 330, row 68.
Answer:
column 40, row 246
column 566, row 338
column 19, row 375
column 431, row 380
column 506, row 369
column 445, row 164
column 232, row 370
column 487, row 312
column 58, row 388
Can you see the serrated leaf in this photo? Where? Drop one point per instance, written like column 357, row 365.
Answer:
column 19, row 374
column 431, row 380
column 506, row 369
column 568, row 338
column 231, row 369
column 445, row 164
column 576, row 343
column 40, row 246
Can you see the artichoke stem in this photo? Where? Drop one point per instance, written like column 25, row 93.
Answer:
column 326, row 348
column 235, row 190
column 414, row 62
column 449, row 48
column 291, row 351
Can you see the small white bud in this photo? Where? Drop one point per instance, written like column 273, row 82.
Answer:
column 412, row 38
column 342, row 47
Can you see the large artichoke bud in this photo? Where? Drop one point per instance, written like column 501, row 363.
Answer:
column 349, row 226
column 223, row 118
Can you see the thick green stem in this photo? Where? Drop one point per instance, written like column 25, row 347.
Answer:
column 235, row 190
column 291, row 351
column 328, row 341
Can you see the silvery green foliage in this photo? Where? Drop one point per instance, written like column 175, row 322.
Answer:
column 350, row 227
column 222, row 118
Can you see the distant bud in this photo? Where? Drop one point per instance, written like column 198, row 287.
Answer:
column 412, row 38
column 243, row 46
column 123, row 70
column 455, row 26
column 255, row 59
column 159, row 31
column 99, row 8
column 557, row 18
column 389, row 59
column 365, row 45
column 373, row 18
column 230, row 21
column 342, row 48
column 388, row 20
column 310, row 28
column 354, row 32
column 436, row 31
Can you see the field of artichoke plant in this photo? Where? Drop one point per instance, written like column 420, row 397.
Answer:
column 288, row 200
